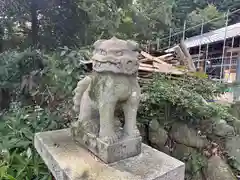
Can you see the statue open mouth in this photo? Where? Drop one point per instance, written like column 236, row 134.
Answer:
column 123, row 67
column 107, row 60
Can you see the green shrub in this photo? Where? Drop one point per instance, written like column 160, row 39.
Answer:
column 38, row 78
column 15, row 64
column 18, row 158
column 182, row 98
column 48, row 91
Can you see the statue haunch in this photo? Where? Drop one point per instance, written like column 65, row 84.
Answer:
column 112, row 85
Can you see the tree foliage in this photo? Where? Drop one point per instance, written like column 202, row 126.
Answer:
column 76, row 23
column 42, row 49
column 207, row 14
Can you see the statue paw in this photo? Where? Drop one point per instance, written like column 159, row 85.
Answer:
column 132, row 134
column 110, row 139
column 90, row 127
column 136, row 133
column 119, row 133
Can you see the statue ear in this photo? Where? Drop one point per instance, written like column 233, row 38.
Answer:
column 133, row 45
column 98, row 42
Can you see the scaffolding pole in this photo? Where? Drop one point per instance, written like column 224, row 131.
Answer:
column 170, row 36
column 184, row 29
column 200, row 46
column 231, row 57
column 158, row 43
column 206, row 58
column 147, row 48
column 199, row 25
column 224, row 44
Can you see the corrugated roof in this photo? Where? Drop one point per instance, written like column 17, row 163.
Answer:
column 213, row 36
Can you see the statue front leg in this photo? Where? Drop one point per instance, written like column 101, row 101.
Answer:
column 130, row 108
column 107, row 127
column 88, row 115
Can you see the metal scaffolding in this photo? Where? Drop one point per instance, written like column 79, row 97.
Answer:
column 208, row 61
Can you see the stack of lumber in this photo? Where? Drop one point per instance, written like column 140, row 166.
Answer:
column 161, row 64
column 167, row 63
column 148, row 65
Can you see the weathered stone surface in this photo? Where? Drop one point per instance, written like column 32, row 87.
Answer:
column 157, row 135
column 222, row 129
column 112, row 85
column 236, row 125
column 197, row 176
column 68, row 161
column 190, row 156
column 233, row 150
column 182, row 134
column 143, row 132
column 108, row 152
column 207, row 125
column 115, row 55
column 218, row 170
column 235, row 109
column 181, row 151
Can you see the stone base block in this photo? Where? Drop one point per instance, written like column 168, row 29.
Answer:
column 109, row 153
column 69, row 161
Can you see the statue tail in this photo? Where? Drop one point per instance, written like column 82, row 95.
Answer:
column 80, row 89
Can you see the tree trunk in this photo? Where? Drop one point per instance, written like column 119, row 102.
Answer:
column 5, row 98
column 34, row 23
column 1, row 39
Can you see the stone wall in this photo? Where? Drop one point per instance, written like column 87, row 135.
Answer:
column 210, row 150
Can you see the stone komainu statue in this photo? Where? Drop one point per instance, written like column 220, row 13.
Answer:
column 113, row 84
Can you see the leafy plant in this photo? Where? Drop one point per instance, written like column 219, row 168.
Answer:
column 18, row 158
column 186, row 97
column 64, row 69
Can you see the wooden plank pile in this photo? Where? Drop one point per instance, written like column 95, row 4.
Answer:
column 161, row 64
column 149, row 65
column 168, row 63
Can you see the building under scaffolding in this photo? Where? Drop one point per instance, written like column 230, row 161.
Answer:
column 217, row 52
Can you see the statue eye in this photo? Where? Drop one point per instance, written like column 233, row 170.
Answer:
column 129, row 62
column 102, row 52
column 119, row 53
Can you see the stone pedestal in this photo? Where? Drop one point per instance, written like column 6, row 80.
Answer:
column 70, row 161
column 109, row 153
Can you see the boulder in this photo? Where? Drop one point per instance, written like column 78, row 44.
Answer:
column 235, row 109
column 181, row 151
column 233, row 150
column 157, row 135
column 182, row 134
column 222, row 129
column 207, row 126
column 143, row 132
column 198, row 176
column 236, row 125
column 194, row 161
column 218, row 169
column 154, row 125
